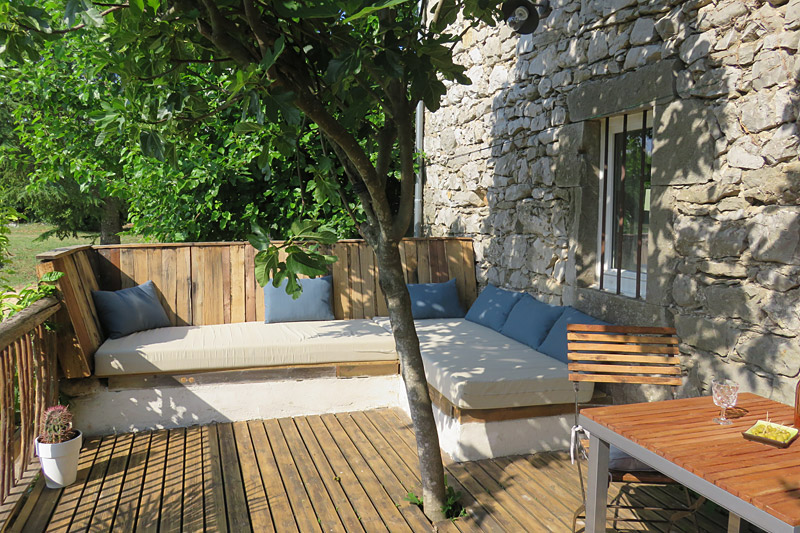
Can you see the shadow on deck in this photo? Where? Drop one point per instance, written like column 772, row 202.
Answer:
column 344, row 472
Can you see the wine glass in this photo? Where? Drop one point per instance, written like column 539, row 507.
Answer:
column 724, row 392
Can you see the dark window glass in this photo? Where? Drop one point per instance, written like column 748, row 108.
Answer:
column 627, row 182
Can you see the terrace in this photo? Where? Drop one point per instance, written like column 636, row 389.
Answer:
column 337, row 472
column 317, row 467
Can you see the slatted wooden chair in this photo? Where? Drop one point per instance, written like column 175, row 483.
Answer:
column 623, row 354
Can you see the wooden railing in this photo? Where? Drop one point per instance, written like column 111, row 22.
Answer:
column 29, row 383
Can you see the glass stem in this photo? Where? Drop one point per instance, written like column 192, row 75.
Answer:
column 722, row 413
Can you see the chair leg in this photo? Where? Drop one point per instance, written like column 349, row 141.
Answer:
column 577, row 514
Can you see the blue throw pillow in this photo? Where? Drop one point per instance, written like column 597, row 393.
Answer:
column 492, row 307
column 435, row 300
column 314, row 302
column 129, row 310
column 555, row 344
column 530, row 321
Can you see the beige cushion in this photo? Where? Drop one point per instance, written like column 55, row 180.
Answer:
column 243, row 345
column 476, row 367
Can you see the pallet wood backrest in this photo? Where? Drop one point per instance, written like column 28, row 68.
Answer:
column 214, row 283
column 623, row 354
column 76, row 286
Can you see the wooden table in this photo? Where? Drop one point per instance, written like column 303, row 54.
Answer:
column 755, row 482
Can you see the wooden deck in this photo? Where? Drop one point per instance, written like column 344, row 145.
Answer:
column 344, row 472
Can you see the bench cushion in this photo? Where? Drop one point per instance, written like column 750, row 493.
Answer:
column 244, row 345
column 475, row 367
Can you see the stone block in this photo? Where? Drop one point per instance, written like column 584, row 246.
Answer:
column 643, row 32
column 744, row 154
column 783, row 309
column 771, row 68
column 683, row 147
column 710, row 335
column 775, row 235
column 598, row 98
column 773, row 185
column 733, row 301
column 727, row 242
column 761, row 111
column 779, row 281
column 577, row 143
column 708, row 193
column 773, row 354
column 697, row 47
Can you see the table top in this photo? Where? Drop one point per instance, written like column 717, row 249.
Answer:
column 682, row 432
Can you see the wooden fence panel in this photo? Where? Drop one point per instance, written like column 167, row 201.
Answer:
column 214, row 283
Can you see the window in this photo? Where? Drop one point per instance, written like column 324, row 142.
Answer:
column 626, row 147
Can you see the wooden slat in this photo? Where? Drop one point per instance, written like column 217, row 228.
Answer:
column 172, row 501
column 213, row 282
column 235, row 499
column 342, row 303
column 183, row 287
column 70, row 496
column 213, row 484
column 140, row 271
column 408, row 251
column 301, row 504
column 332, row 482
column 423, row 262
column 624, row 369
column 278, row 501
column 621, row 348
column 150, row 502
column 605, row 337
column 169, row 284
column 126, row 268
column 108, row 274
column 109, row 499
column 324, row 507
column 252, row 288
column 237, row 285
column 368, row 274
column 625, row 330
column 260, row 517
column 618, row 358
column 193, row 480
column 438, row 261
column 91, row 490
column 649, row 380
column 128, row 508
column 226, row 266
column 155, row 272
column 356, row 280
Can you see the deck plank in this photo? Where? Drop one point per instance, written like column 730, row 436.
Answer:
column 150, row 501
column 343, row 472
column 347, row 513
column 213, row 489
column 370, row 518
column 128, row 508
column 172, row 505
column 235, row 499
column 193, row 480
column 391, row 516
column 108, row 501
column 260, row 517
column 324, row 508
column 277, row 499
column 304, row 512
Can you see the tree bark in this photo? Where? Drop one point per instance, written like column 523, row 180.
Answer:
column 110, row 221
column 406, row 341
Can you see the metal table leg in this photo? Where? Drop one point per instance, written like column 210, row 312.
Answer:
column 597, row 494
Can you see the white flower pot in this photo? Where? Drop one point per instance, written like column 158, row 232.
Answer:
column 60, row 461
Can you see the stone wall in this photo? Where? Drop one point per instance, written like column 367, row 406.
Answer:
column 513, row 163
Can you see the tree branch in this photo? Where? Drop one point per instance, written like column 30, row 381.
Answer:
column 386, row 138
column 257, row 25
column 405, row 140
column 218, row 33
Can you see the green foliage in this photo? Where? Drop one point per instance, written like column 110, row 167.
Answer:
column 7, row 216
column 302, row 254
column 452, row 507
column 12, row 302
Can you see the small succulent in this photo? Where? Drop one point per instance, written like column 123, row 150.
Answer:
column 56, row 425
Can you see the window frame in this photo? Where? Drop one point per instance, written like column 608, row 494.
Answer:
column 605, row 275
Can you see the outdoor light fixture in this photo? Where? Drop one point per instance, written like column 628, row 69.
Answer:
column 522, row 15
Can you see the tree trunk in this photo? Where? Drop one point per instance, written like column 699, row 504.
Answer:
column 110, row 221
column 406, row 341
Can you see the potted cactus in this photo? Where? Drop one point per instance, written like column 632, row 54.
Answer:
column 58, row 447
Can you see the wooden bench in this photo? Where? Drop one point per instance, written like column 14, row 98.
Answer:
column 214, row 283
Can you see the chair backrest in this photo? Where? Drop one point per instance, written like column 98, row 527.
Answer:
column 623, row 354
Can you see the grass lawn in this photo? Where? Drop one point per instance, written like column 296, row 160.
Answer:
column 22, row 270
